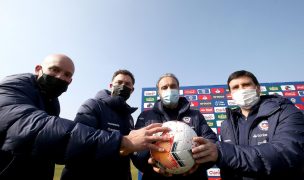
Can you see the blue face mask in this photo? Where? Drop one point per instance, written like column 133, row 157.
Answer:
column 170, row 97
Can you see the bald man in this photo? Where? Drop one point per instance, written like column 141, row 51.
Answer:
column 32, row 135
column 54, row 75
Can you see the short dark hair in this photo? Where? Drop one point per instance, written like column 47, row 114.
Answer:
column 167, row 75
column 124, row 72
column 241, row 73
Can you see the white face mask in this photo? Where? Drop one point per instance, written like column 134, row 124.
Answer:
column 170, row 97
column 245, row 98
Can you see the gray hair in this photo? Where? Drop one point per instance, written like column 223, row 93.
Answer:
column 167, row 75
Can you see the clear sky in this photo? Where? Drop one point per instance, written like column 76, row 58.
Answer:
column 200, row 41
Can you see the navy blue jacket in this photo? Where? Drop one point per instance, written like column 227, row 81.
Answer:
column 157, row 115
column 33, row 137
column 111, row 114
column 270, row 147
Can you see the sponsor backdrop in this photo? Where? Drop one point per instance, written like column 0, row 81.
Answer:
column 211, row 101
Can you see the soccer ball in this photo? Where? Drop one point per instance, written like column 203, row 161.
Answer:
column 177, row 157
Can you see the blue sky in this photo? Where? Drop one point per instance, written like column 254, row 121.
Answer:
column 200, row 41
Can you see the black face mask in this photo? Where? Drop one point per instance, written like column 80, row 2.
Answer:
column 122, row 91
column 51, row 86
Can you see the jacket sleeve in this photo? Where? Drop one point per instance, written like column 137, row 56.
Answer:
column 66, row 141
column 87, row 141
column 26, row 129
column 91, row 114
column 284, row 151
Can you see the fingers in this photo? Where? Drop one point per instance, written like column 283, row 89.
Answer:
column 156, row 127
column 157, row 169
column 157, row 138
column 151, row 161
column 200, row 140
column 205, row 152
column 150, row 126
column 161, row 171
column 144, row 138
column 154, row 130
column 153, row 147
column 202, row 144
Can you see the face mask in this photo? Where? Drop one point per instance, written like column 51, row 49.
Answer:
column 170, row 97
column 51, row 86
column 245, row 98
column 122, row 91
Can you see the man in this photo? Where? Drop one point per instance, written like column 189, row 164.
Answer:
column 263, row 138
column 32, row 135
column 107, row 111
column 173, row 107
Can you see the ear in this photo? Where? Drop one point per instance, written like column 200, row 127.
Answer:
column 259, row 90
column 37, row 69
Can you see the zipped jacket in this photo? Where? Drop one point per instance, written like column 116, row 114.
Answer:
column 111, row 114
column 272, row 146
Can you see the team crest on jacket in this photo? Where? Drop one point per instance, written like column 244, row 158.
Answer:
column 186, row 119
column 263, row 125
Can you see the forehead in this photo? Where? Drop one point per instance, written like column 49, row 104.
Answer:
column 167, row 81
column 122, row 77
column 241, row 80
column 63, row 64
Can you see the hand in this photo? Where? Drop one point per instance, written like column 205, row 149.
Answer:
column 157, row 169
column 143, row 139
column 162, row 171
column 206, row 151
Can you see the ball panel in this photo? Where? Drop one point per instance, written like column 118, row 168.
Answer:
column 177, row 158
column 165, row 158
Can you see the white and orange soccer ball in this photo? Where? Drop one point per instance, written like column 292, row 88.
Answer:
column 177, row 157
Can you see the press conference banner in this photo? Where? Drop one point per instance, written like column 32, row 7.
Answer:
column 212, row 100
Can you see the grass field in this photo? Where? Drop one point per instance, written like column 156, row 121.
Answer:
column 58, row 170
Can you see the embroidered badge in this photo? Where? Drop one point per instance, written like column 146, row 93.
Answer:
column 263, row 125
column 186, row 119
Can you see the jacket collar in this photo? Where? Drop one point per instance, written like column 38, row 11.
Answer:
column 267, row 105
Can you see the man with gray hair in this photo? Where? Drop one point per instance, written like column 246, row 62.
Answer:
column 173, row 107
